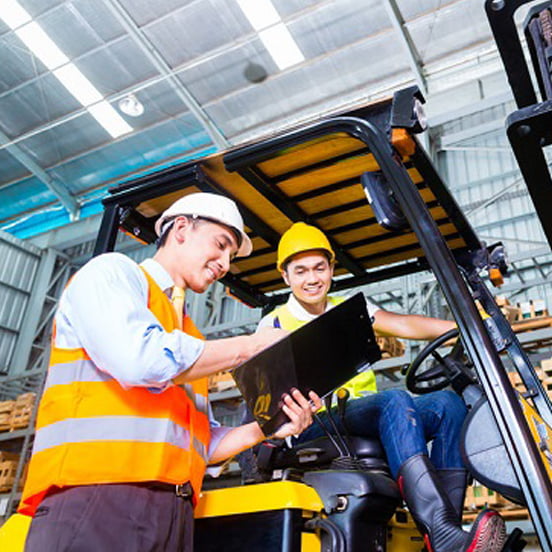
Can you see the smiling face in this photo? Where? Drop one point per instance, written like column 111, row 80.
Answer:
column 309, row 275
column 198, row 253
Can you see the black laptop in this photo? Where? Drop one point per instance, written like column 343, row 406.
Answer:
column 320, row 356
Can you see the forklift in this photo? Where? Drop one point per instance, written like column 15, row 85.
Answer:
column 364, row 179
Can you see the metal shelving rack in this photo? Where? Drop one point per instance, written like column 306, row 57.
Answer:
column 29, row 362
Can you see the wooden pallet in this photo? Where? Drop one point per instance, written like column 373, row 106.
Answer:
column 7, row 455
column 532, row 324
column 17, row 414
column 390, row 347
column 6, row 408
column 479, row 496
column 221, row 381
column 507, row 513
column 7, row 474
column 22, row 411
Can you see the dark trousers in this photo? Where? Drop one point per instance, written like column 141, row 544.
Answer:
column 112, row 518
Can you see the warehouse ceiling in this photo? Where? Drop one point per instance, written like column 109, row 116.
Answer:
column 93, row 92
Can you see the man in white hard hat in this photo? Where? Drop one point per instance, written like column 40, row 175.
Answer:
column 120, row 450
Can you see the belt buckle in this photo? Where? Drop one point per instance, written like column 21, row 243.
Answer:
column 183, row 490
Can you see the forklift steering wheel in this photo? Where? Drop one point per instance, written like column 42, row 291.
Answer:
column 447, row 370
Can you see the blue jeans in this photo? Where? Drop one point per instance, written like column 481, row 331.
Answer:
column 404, row 425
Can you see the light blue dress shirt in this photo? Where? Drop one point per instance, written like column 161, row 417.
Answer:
column 104, row 309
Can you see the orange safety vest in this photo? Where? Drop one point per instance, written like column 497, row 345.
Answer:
column 91, row 430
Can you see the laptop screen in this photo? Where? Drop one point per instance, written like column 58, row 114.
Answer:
column 320, row 356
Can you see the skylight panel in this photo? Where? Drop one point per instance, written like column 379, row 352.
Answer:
column 47, row 51
column 273, row 33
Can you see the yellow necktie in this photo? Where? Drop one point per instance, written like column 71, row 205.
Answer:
column 177, row 299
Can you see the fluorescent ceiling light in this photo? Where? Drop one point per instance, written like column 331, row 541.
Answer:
column 76, row 83
column 41, row 45
column 13, row 14
column 261, row 13
column 46, row 50
column 109, row 119
column 273, row 32
column 281, row 46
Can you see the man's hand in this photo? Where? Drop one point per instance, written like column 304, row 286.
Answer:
column 299, row 411
column 265, row 337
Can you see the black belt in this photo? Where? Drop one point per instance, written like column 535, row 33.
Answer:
column 184, row 490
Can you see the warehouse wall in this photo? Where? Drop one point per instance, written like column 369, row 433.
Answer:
column 19, row 262
column 474, row 156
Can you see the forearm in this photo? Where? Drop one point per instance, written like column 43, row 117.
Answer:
column 236, row 440
column 295, row 406
column 410, row 326
column 227, row 353
column 220, row 354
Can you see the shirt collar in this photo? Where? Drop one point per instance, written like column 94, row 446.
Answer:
column 298, row 311
column 161, row 277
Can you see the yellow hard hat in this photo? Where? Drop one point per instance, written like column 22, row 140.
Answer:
column 302, row 237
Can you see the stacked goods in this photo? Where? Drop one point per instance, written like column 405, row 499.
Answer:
column 7, row 475
column 221, row 381
column 510, row 312
column 546, row 372
column 390, row 347
column 8, row 466
column 22, row 410
column 16, row 414
column 6, row 408
column 479, row 496
column 534, row 308
column 517, row 383
column 6, row 455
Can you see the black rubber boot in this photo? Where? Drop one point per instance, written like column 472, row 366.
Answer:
column 436, row 518
column 454, row 482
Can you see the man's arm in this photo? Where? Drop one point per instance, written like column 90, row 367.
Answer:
column 410, row 326
column 296, row 407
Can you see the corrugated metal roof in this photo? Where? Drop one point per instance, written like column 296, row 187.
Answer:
column 352, row 52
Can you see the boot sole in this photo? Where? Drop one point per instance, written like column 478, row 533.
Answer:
column 488, row 533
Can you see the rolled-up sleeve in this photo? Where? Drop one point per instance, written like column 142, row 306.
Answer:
column 105, row 310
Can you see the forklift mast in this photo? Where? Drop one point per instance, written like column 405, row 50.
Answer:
column 529, row 128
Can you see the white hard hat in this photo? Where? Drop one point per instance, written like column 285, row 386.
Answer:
column 215, row 207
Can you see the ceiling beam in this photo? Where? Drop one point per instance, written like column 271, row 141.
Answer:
column 68, row 235
column 55, row 186
column 157, row 60
column 414, row 58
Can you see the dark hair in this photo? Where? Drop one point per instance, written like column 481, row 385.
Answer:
column 169, row 224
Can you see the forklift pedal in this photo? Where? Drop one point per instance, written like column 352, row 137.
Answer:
column 515, row 543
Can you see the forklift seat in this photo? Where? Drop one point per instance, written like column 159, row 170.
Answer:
column 320, row 453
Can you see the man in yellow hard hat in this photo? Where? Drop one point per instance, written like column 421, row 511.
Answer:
column 433, row 487
column 120, row 450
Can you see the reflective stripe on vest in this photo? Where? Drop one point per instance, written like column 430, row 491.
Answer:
column 115, row 428
column 86, row 371
column 92, row 430
column 363, row 384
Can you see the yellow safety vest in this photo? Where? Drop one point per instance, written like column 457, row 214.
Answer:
column 360, row 385
column 91, row 430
